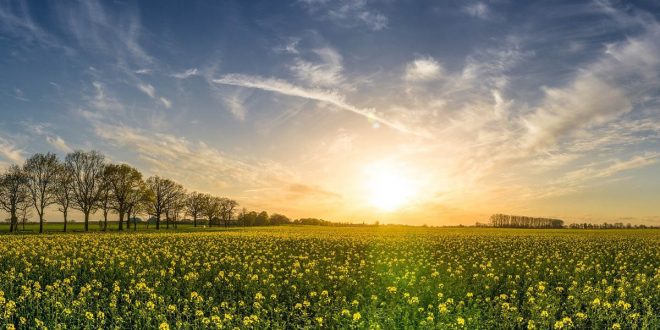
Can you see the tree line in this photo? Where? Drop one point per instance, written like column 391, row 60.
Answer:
column 86, row 182
column 517, row 221
column 605, row 225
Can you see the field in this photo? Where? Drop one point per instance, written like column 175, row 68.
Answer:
column 313, row 277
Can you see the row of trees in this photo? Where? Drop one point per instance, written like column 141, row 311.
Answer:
column 516, row 221
column 84, row 181
column 605, row 225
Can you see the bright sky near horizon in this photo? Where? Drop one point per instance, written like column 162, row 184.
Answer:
column 436, row 112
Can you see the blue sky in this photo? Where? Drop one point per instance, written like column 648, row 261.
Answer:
column 467, row 107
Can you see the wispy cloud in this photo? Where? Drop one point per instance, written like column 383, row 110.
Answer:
column 234, row 103
column 150, row 90
column 117, row 35
column 325, row 96
column 19, row 95
column 143, row 71
column 15, row 19
column 477, row 9
column 58, row 143
column 290, row 46
column 11, row 152
column 303, row 190
column 165, row 102
column 423, row 69
column 348, row 13
column 102, row 101
column 326, row 73
column 591, row 174
column 195, row 163
column 45, row 130
column 186, row 74
column 596, row 96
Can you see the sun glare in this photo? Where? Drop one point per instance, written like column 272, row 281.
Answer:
column 388, row 188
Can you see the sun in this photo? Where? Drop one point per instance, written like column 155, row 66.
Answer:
column 388, row 188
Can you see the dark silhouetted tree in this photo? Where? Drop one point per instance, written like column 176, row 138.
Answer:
column 87, row 170
column 13, row 193
column 162, row 191
column 194, row 205
column 63, row 191
column 227, row 209
column 41, row 173
column 124, row 181
column 277, row 219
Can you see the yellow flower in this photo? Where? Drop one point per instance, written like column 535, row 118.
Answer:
column 356, row 316
column 164, row 326
column 531, row 325
column 460, row 321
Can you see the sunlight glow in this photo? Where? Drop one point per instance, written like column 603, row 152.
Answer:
column 388, row 188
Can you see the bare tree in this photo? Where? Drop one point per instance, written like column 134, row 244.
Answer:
column 63, row 191
column 174, row 203
column 13, row 193
column 25, row 212
column 194, row 205
column 124, row 181
column 138, row 201
column 162, row 192
column 227, row 208
column 40, row 172
column 87, row 170
column 211, row 208
column 105, row 199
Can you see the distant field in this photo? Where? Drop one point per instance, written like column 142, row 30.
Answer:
column 319, row 277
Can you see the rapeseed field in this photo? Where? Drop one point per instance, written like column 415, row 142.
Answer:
column 314, row 277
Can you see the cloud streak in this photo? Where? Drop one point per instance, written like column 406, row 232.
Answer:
column 325, row 96
column 11, row 152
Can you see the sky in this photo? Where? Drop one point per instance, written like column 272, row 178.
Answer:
column 412, row 112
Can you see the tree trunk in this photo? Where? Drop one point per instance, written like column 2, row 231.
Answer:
column 105, row 220
column 65, row 219
column 194, row 220
column 13, row 226
column 86, row 220
column 158, row 221
column 121, row 221
column 41, row 222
